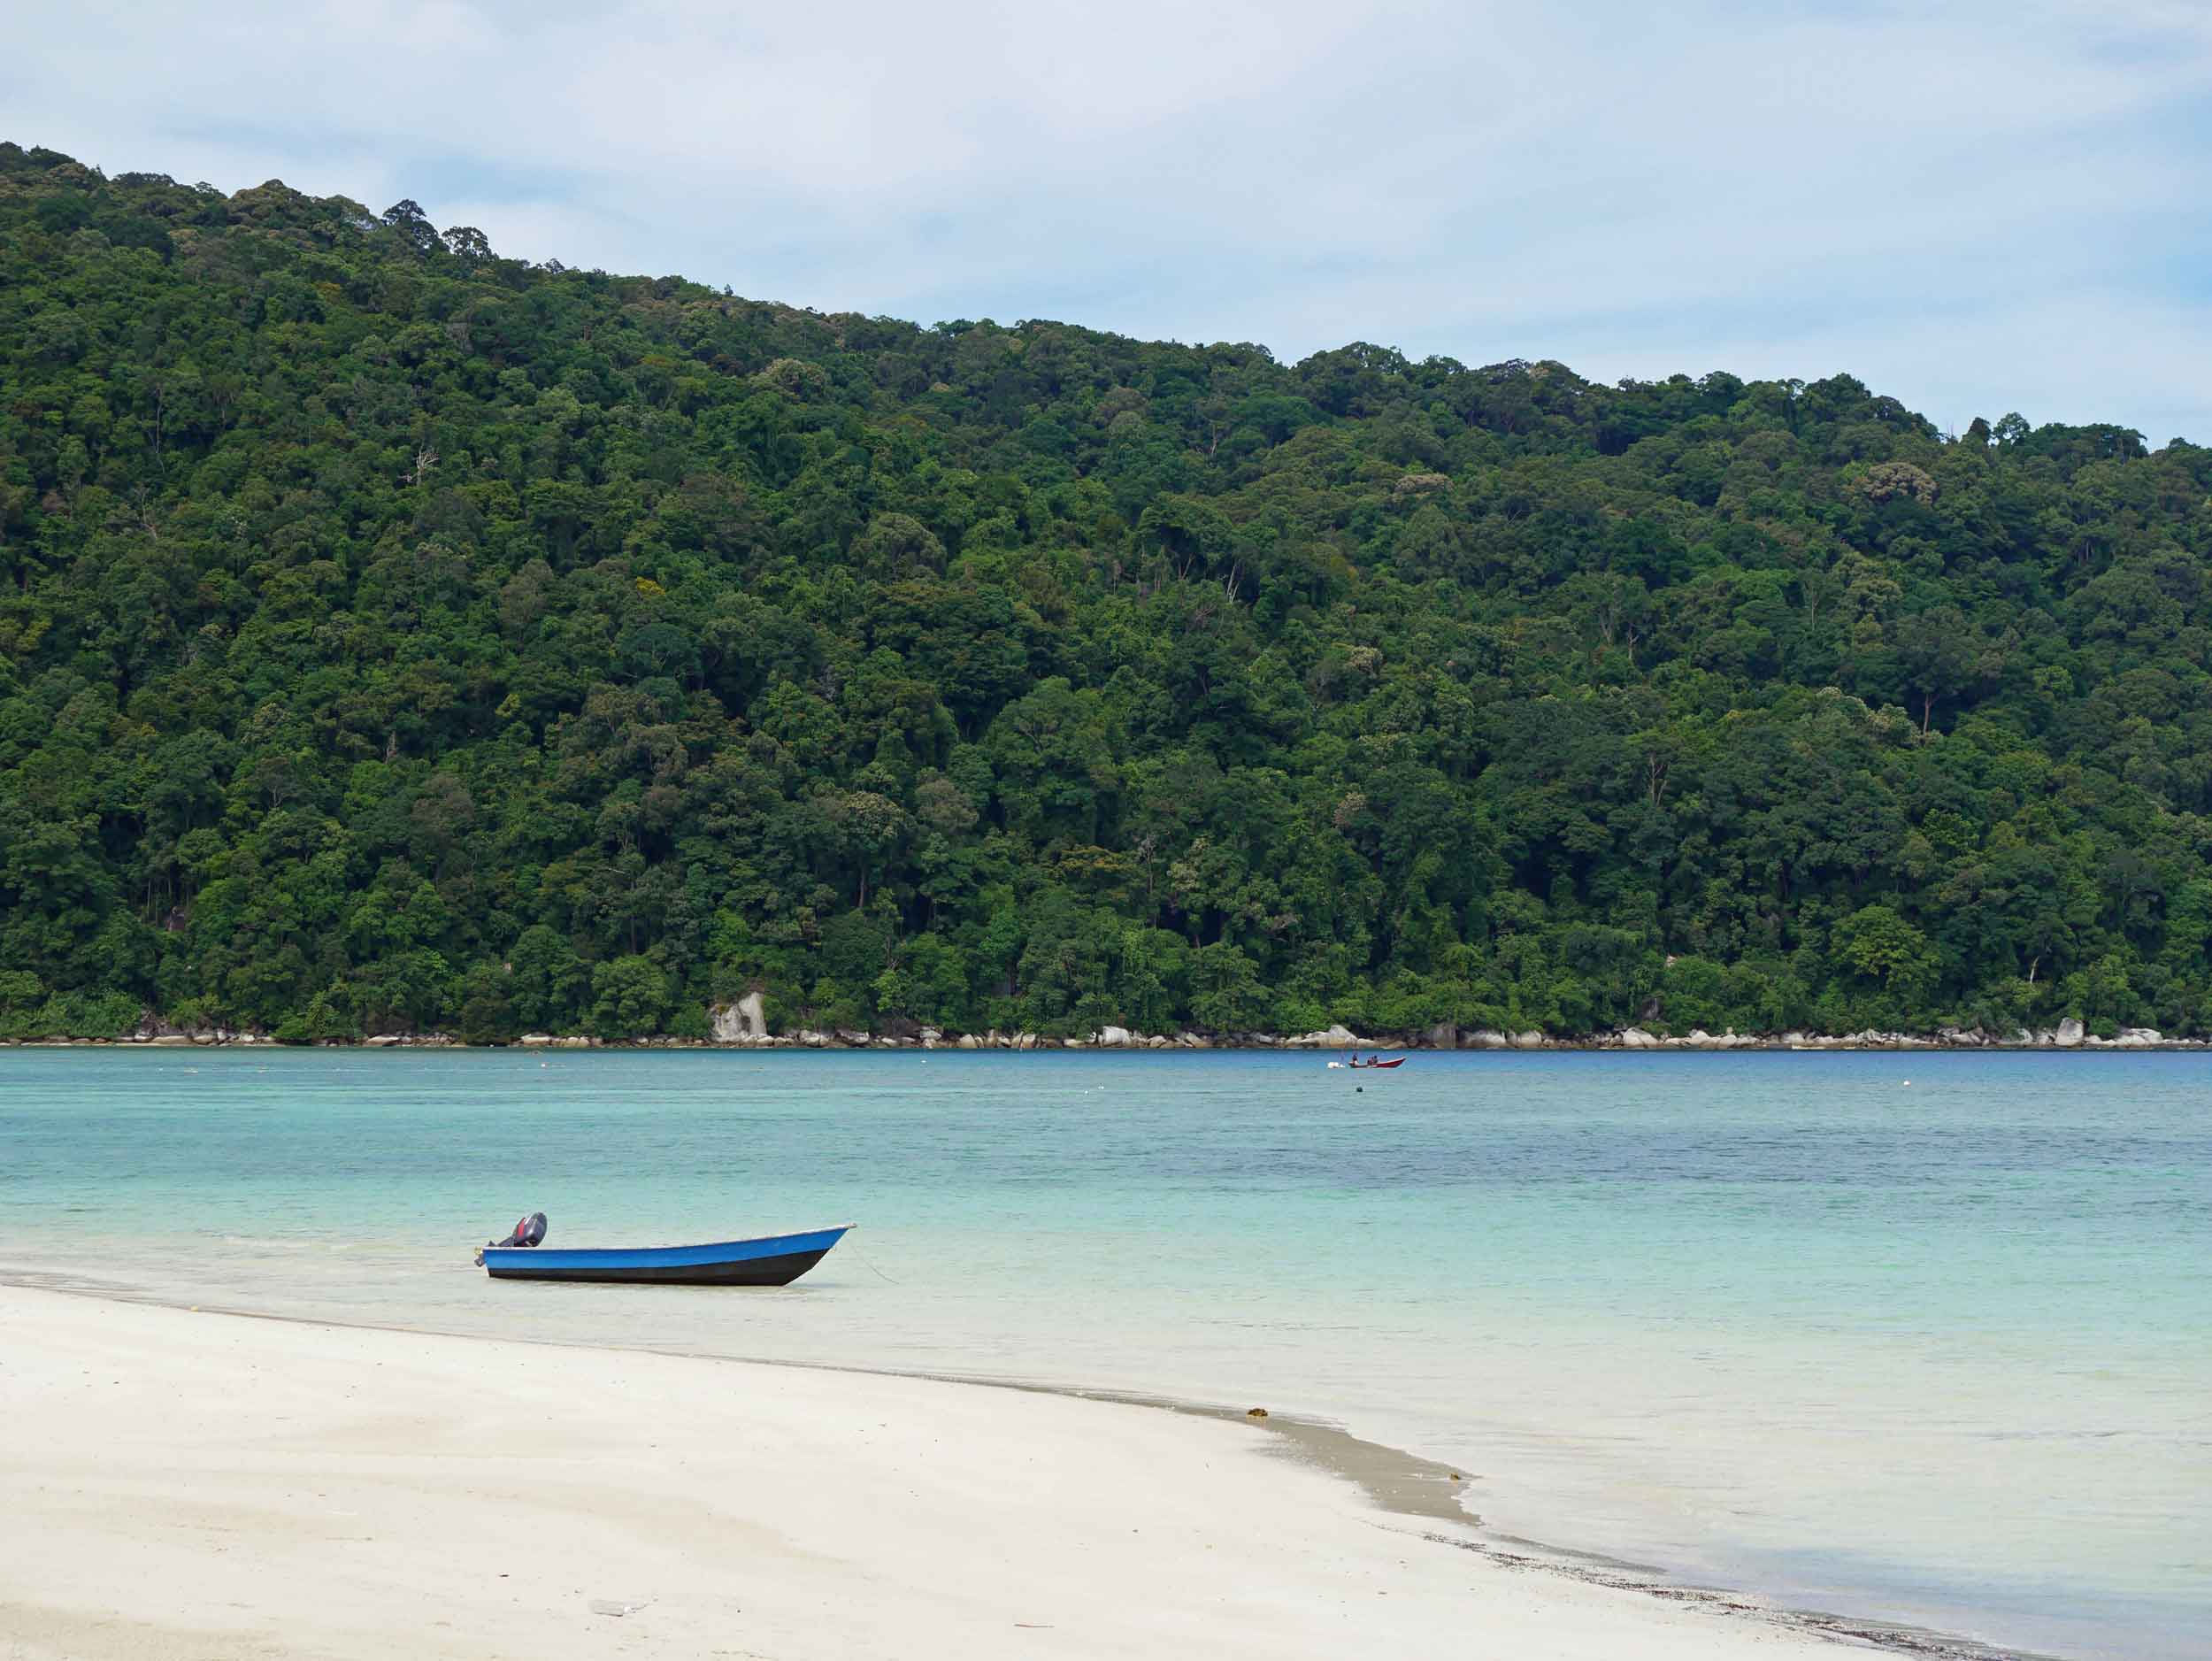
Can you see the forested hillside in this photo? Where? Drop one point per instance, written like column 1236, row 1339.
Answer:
column 395, row 636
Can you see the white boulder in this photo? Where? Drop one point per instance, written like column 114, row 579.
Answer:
column 743, row 1022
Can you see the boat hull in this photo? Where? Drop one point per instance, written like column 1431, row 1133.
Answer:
column 776, row 1260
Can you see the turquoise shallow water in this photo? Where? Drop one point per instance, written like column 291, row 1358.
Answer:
column 1924, row 1337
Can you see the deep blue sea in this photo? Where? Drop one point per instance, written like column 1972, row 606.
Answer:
column 1926, row 1337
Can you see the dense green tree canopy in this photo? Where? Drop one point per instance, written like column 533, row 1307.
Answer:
column 393, row 636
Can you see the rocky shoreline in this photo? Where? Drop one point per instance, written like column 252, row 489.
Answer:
column 741, row 1026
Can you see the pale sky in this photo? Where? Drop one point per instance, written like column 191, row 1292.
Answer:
column 1975, row 207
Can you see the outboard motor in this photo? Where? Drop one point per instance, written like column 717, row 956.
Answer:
column 528, row 1232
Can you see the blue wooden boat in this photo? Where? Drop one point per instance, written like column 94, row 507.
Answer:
column 773, row 1260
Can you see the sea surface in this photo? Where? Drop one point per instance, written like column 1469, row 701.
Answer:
column 1920, row 1337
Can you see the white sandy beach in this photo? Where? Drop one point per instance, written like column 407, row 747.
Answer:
column 184, row 1485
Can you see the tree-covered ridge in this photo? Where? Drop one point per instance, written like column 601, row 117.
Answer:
column 396, row 636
